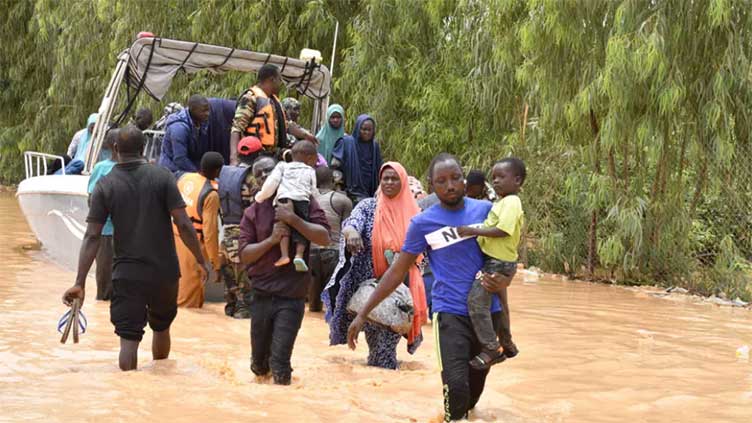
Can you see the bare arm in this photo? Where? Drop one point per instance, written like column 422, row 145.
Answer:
column 388, row 283
column 86, row 257
column 487, row 231
column 348, row 209
column 234, row 139
column 302, row 134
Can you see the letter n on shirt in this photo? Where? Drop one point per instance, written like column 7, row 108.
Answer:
column 444, row 237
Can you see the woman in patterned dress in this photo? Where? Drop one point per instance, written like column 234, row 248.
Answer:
column 376, row 225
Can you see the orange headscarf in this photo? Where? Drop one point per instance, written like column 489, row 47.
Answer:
column 389, row 229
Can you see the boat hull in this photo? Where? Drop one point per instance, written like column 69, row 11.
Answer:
column 56, row 206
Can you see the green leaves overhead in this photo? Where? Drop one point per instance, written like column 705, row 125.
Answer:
column 633, row 116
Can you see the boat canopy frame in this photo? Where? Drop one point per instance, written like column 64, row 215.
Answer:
column 150, row 64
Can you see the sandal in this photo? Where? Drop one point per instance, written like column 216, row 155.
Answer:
column 300, row 265
column 486, row 359
column 510, row 350
column 66, row 323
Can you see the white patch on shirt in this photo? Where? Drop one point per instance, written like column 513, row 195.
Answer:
column 446, row 236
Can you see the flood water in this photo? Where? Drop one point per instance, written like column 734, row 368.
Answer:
column 588, row 353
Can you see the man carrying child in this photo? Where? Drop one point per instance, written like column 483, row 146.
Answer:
column 278, row 291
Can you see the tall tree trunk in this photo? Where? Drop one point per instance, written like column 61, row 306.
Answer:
column 593, row 231
column 659, row 187
column 523, row 123
column 625, row 166
column 699, row 186
column 612, row 169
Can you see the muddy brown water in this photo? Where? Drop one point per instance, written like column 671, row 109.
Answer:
column 589, row 353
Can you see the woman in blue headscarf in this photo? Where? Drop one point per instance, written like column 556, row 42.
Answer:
column 359, row 157
column 333, row 130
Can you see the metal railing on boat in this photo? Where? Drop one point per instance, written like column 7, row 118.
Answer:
column 35, row 163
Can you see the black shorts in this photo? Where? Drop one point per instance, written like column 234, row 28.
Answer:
column 134, row 303
column 301, row 210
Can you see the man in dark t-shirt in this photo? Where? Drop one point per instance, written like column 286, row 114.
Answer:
column 278, row 302
column 141, row 199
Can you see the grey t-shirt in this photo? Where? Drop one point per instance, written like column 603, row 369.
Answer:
column 337, row 207
column 139, row 197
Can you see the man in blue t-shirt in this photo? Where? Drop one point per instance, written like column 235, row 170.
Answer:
column 105, row 253
column 455, row 262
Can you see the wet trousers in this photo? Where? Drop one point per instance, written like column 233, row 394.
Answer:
column 275, row 322
column 457, row 344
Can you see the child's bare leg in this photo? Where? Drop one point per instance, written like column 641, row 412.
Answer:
column 160, row 345
column 505, row 329
column 299, row 250
column 300, row 264
column 128, row 359
column 284, row 248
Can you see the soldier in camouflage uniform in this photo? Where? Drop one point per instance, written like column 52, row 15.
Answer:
column 237, row 284
column 237, row 289
column 259, row 113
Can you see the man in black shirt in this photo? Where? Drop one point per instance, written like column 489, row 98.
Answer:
column 142, row 201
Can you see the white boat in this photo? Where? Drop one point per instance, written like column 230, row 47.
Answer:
column 55, row 206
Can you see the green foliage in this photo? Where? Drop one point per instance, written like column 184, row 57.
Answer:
column 633, row 116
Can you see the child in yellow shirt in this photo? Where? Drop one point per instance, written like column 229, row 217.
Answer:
column 499, row 237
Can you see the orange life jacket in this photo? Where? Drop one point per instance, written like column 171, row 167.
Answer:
column 194, row 188
column 264, row 123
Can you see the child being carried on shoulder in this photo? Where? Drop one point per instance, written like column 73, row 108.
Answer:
column 498, row 237
column 293, row 182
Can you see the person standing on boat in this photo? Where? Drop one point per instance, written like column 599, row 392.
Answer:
column 199, row 192
column 260, row 114
column 104, row 254
column 359, row 157
column 295, row 132
column 142, row 200
column 184, row 129
column 221, row 115
column 333, row 129
column 143, row 118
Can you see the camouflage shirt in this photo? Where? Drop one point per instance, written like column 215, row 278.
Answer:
column 245, row 111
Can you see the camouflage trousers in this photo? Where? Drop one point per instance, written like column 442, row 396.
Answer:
column 237, row 285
